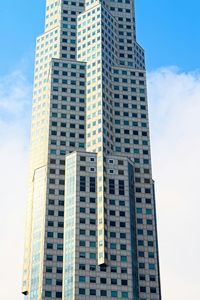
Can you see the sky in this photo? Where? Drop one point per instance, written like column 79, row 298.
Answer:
column 169, row 32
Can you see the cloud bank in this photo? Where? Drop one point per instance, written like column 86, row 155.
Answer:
column 15, row 106
column 174, row 103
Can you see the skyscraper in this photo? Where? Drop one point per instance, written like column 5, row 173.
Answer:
column 91, row 219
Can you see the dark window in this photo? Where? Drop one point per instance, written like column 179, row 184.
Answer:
column 113, row 281
column 82, row 199
column 81, row 291
column 81, row 267
column 92, row 292
column 103, row 268
column 82, row 183
column 153, row 290
column 103, row 293
column 113, row 269
column 121, row 187
column 124, row 282
column 142, row 277
column 82, row 168
column 122, row 235
column 111, row 186
column 92, row 184
column 143, row 289
column 59, row 270
column 58, row 294
column 124, row 270
column 48, row 294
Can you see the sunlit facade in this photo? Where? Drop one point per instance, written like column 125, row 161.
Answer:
column 91, row 218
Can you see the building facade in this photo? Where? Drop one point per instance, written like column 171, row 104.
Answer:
column 91, row 218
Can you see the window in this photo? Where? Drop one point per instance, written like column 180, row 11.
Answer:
column 49, row 257
column 82, row 267
column 92, row 244
column 112, row 202
column 48, row 269
column 111, row 186
column 92, row 267
column 50, row 234
column 113, row 246
column 112, row 223
column 48, row 281
column 92, row 232
column 82, row 231
column 143, row 289
column 82, row 243
column 81, row 291
column 141, row 253
column 82, row 221
column 81, row 278
column 92, row 184
column 152, row 266
column 59, row 282
column 122, row 235
column 150, row 243
column 58, row 294
column 153, row 290
column 48, row 294
column 114, row 294
column 113, row 234
column 113, row 281
column 124, row 270
column 103, row 293
column 103, row 268
column 123, row 258
column 124, row 295
column 92, row 279
column 82, row 254
column 93, row 255
column 82, row 199
column 152, row 278
column 49, row 246
column 112, row 213
column 59, row 270
column 142, row 277
column 92, row 200
column 140, row 243
column 82, row 183
column 113, row 257
column 92, row 221
column 123, row 247
column 92, row 210
column 59, row 246
column 113, row 269
column 92, row 292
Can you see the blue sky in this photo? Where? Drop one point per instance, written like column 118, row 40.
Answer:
column 167, row 29
column 169, row 32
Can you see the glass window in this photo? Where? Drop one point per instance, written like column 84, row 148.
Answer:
column 81, row 278
column 114, row 294
column 81, row 291
column 124, row 295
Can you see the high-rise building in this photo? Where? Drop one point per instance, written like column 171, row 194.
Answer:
column 91, row 218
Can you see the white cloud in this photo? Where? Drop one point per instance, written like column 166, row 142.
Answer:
column 174, row 113
column 14, row 89
column 15, row 104
column 174, row 100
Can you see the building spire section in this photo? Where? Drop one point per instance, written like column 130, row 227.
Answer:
column 91, row 223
